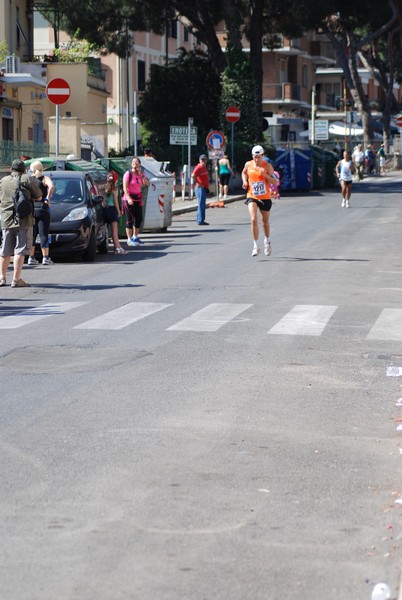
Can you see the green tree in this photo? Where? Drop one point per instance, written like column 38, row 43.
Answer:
column 187, row 87
column 4, row 51
column 238, row 89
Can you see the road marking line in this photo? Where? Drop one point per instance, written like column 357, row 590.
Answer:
column 123, row 316
column 210, row 318
column 394, row 371
column 388, row 325
column 304, row 319
column 30, row 315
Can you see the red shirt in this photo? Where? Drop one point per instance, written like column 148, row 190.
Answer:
column 201, row 175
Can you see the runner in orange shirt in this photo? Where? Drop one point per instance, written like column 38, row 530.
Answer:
column 257, row 175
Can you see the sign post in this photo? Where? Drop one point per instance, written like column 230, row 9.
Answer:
column 189, row 126
column 399, row 125
column 216, row 143
column 58, row 92
column 232, row 115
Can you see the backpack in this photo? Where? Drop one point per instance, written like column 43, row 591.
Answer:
column 22, row 204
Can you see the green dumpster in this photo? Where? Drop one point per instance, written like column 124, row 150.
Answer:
column 331, row 160
column 319, row 172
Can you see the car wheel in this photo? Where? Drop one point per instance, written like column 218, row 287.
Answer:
column 90, row 252
column 104, row 245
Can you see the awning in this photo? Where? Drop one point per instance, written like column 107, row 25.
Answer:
column 22, row 79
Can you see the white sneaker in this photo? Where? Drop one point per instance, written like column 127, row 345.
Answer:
column 32, row 261
column 347, row 204
column 255, row 252
column 267, row 248
column 343, row 203
column 46, row 260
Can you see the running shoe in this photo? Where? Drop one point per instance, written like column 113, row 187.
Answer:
column 46, row 260
column 138, row 240
column 134, row 241
column 32, row 261
column 267, row 248
column 347, row 204
column 255, row 252
column 343, row 203
column 130, row 242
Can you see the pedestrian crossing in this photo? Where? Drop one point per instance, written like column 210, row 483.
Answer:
column 301, row 320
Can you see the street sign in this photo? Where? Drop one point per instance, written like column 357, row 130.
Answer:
column 179, row 135
column 58, row 91
column 320, row 130
column 216, row 140
column 232, row 114
column 399, row 120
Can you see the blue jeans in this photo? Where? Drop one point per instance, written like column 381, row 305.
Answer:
column 201, row 195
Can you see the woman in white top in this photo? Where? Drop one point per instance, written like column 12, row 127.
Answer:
column 344, row 171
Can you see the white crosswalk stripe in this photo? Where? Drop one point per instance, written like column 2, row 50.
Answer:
column 210, row 318
column 123, row 316
column 388, row 325
column 30, row 315
column 304, row 319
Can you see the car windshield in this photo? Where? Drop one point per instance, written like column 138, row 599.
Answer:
column 67, row 190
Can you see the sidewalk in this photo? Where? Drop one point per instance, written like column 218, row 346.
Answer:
column 180, row 206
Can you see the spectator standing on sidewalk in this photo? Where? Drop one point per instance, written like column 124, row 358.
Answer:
column 382, row 157
column 133, row 181
column 201, row 177
column 17, row 233
column 112, row 211
column 42, row 214
column 225, row 171
column 345, row 171
column 370, row 159
column 358, row 161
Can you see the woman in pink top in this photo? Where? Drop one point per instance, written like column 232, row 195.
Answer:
column 132, row 201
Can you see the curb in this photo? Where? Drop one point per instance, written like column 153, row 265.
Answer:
column 191, row 206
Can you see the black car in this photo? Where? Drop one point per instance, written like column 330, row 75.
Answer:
column 76, row 216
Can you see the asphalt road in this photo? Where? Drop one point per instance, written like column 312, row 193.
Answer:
column 189, row 422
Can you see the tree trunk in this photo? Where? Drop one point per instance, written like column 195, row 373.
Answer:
column 255, row 36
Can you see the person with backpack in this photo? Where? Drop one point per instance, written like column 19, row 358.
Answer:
column 132, row 201
column 42, row 214
column 17, row 230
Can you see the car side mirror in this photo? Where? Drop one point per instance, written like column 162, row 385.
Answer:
column 97, row 199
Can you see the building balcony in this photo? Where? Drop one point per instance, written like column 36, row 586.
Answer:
column 281, row 92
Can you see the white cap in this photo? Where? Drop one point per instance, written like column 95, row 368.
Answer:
column 257, row 151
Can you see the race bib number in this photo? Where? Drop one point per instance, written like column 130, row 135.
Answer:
column 258, row 188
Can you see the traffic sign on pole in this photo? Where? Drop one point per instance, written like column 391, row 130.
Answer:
column 216, row 140
column 232, row 114
column 58, row 91
column 399, row 120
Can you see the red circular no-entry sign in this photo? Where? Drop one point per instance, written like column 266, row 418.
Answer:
column 399, row 120
column 232, row 114
column 58, row 91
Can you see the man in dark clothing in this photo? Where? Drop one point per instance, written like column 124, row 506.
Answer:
column 17, row 233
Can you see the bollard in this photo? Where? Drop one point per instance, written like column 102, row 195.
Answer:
column 192, row 195
column 174, row 187
column 183, row 182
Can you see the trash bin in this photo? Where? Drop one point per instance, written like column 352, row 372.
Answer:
column 96, row 170
column 319, row 170
column 158, row 208
column 294, row 167
column 157, row 198
column 331, row 160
